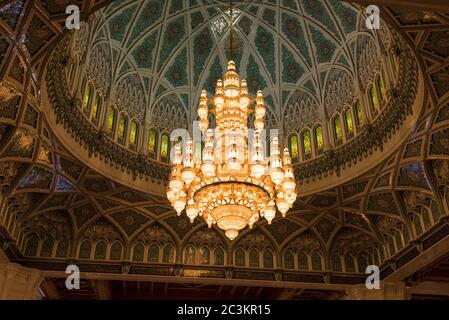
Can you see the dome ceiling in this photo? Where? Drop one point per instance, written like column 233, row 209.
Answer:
column 164, row 52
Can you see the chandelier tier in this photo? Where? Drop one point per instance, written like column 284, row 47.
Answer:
column 232, row 184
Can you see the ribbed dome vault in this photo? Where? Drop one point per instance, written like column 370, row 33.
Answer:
column 150, row 54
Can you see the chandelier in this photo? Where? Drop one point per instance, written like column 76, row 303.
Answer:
column 233, row 183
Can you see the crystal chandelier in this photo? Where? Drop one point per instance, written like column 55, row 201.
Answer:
column 233, row 184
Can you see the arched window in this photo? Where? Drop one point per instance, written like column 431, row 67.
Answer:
column 168, row 255
column 349, row 124
column 164, row 147
column 88, row 92
column 122, row 128
column 138, row 252
column 303, row 263
column 133, row 134
column 293, row 146
column 96, row 110
column 336, row 263
column 306, row 145
column 391, row 245
column 219, row 257
column 349, row 263
column 316, row 261
column 240, row 259
column 337, row 130
column 319, row 139
column 398, row 239
column 254, row 258
column 358, row 112
column 417, row 224
column 426, row 218
column 63, row 249
column 153, row 253
column 380, row 89
column 204, row 255
column 47, row 247
column 85, row 249
column 112, row 119
column 100, row 250
column 116, row 251
column 362, row 263
column 152, row 142
column 373, row 99
column 189, row 255
column 268, row 261
column 31, row 246
column 289, row 263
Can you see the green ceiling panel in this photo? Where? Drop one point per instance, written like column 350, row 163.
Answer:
column 203, row 44
column 177, row 73
column 174, row 33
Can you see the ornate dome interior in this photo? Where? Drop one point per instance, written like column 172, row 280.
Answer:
column 86, row 117
column 167, row 52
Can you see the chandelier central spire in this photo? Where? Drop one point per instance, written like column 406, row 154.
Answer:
column 233, row 184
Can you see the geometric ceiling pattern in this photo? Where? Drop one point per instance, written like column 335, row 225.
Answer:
column 170, row 50
column 57, row 209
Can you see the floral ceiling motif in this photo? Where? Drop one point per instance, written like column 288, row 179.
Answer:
column 155, row 50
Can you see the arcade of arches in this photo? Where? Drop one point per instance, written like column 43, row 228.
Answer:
column 85, row 123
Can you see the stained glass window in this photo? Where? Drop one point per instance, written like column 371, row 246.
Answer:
column 303, row 263
column 306, row 142
column 47, row 247
column 153, row 253
column 418, row 226
column 189, row 255
column 398, row 238
column 122, row 127
column 268, row 259
column 288, row 260
column 100, row 250
column 168, row 254
column 358, row 110
column 204, row 255
column 97, row 107
column 362, row 263
column 164, row 146
column 138, row 252
column 316, row 261
column 337, row 128
column 62, row 249
column 336, row 263
column 319, row 139
column 85, row 249
column 152, row 141
column 133, row 133
column 349, row 263
column 254, row 259
column 373, row 99
column 111, row 119
column 381, row 89
column 348, row 118
column 116, row 251
column 240, row 257
column 294, row 146
column 88, row 96
column 219, row 257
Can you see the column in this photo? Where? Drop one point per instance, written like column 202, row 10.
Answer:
column 18, row 282
column 387, row 291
